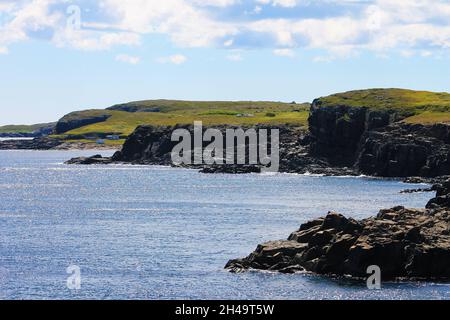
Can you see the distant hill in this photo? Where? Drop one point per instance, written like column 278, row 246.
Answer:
column 122, row 119
column 27, row 129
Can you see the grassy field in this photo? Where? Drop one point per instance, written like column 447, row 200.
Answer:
column 433, row 105
column 185, row 112
column 169, row 106
column 429, row 117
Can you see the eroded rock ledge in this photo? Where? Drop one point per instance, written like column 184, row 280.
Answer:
column 404, row 243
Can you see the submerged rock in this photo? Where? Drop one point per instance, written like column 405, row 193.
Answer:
column 404, row 243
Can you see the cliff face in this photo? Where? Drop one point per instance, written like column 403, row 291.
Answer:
column 337, row 130
column 342, row 140
column 374, row 143
column 147, row 145
column 153, row 145
column 404, row 150
column 69, row 123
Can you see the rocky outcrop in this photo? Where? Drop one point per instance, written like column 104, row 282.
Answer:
column 73, row 121
column 337, row 130
column 404, row 243
column 373, row 142
column 148, row 145
column 342, row 140
column 96, row 159
column 44, row 143
column 153, row 145
column 403, row 150
column 442, row 198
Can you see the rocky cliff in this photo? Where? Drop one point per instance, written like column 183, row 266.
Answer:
column 77, row 120
column 403, row 150
column 404, row 243
column 375, row 142
column 343, row 139
column 337, row 130
column 153, row 145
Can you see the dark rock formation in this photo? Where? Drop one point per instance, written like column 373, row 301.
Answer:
column 153, row 145
column 342, row 140
column 148, row 145
column 337, row 130
column 404, row 150
column 404, row 243
column 374, row 143
column 34, row 144
column 97, row 159
column 71, row 122
column 442, row 198
column 233, row 169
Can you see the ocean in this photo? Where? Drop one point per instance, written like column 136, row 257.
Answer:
column 152, row 232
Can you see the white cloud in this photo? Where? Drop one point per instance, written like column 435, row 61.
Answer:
column 175, row 59
column 284, row 53
column 236, row 57
column 215, row 3
column 186, row 24
column 326, row 59
column 128, row 59
column 4, row 50
column 228, row 43
column 376, row 25
column 95, row 40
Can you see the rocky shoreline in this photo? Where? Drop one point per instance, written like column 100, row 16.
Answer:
column 404, row 243
column 43, row 143
column 46, row 143
column 341, row 141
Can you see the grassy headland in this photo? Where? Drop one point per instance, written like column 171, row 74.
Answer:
column 415, row 106
column 170, row 112
column 23, row 128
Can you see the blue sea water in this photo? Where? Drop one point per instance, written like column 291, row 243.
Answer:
column 154, row 232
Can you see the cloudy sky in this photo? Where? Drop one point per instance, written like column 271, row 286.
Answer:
column 57, row 56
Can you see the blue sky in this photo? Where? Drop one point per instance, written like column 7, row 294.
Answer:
column 57, row 56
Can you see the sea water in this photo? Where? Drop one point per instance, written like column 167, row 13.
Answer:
column 152, row 232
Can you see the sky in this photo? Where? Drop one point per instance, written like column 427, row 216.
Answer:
column 57, row 56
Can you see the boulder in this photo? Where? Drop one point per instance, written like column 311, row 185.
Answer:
column 96, row 159
column 404, row 243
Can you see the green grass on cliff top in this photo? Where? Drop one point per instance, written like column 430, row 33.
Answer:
column 406, row 101
column 420, row 107
column 186, row 112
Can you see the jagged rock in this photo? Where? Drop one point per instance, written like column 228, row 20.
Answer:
column 233, row 169
column 153, row 145
column 404, row 243
column 404, row 150
column 96, row 159
column 342, row 140
column 442, row 199
column 337, row 130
